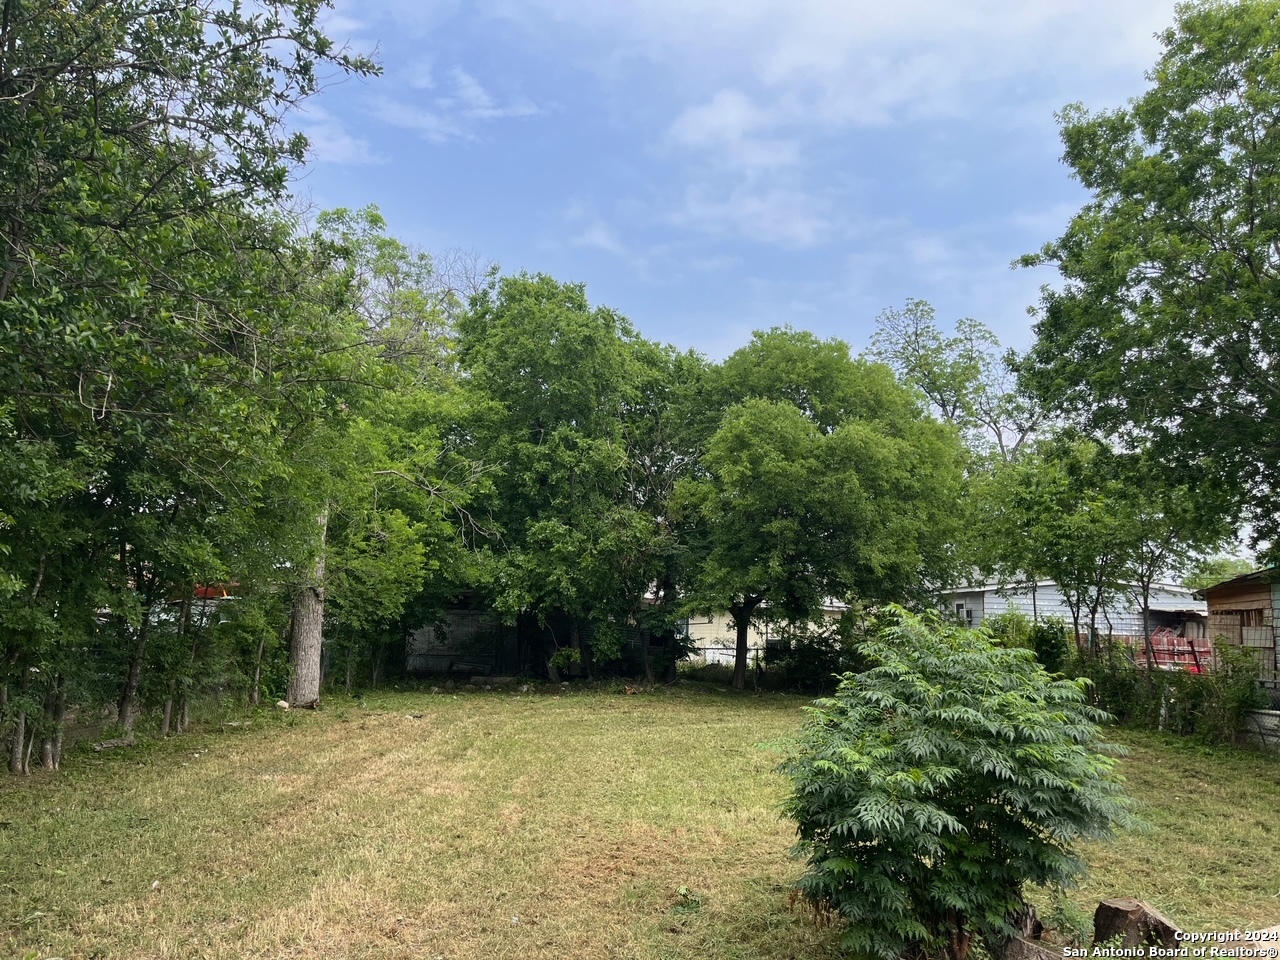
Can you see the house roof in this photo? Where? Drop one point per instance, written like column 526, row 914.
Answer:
column 1266, row 575
column 1177, row 606
column 1026, row 585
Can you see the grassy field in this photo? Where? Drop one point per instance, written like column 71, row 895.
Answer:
column 490, row 825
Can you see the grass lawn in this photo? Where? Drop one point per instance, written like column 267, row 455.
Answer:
column 490, row 825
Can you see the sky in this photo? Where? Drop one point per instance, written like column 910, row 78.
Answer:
column 714, row 167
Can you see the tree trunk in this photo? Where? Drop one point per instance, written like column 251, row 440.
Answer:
column 741, row 614
column 255, row 695
column 575, row 642
column 1146, row 627
column 168, row 707
column 307, row 633
column 184, row 621
column 50, row 719
column 19, row 741
column 129, row 693
column 59, row 719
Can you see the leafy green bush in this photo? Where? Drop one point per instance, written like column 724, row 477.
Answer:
column 1011, row 627
column 812, row 656
column 1209, row 706
column 1048, row 639
column 931, row 789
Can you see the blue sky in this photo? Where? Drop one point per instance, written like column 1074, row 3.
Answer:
column 711, row 167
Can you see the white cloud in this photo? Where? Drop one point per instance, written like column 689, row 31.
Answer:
column 472, row 100
column 454, row 115
column 338, row 26
column 599, row 235
column 728, row 127
column 419, row 75
column 759, row 212
column 429, row 124
column 331, row 142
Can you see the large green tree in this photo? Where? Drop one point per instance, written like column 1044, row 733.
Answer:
column 825, row 480
column 583, row 458
column 1166, row 329
column 386, row 471
column 153, row 319
column 966, row 377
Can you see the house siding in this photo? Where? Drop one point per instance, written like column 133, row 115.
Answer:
column 1121, row 617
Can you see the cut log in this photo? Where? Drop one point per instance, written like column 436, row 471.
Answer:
column 1134, row 922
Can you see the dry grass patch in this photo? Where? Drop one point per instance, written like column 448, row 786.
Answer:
column 499, row 825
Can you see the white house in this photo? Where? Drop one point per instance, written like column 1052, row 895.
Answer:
column 714, row 638
column 1172, row 606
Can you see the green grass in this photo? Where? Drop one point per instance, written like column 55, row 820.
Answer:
column 499, row 825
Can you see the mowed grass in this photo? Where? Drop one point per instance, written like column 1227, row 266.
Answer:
column 493, row 825
column 1211, row 859
column 490, row 825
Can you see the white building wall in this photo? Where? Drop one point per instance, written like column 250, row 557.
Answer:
column 1122, row 616
column 716, row 638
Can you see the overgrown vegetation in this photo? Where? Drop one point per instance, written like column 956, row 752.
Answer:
column 1210, row 705
column 201, row 394
column 932, row 790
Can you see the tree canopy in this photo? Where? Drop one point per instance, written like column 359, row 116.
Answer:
column 824, row 482
column 1164, row 332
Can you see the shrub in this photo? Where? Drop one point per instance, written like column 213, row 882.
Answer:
column 1011, row 627
column 1048, row 639
column 931, row 789
column 812, row 656
column 1209, row 706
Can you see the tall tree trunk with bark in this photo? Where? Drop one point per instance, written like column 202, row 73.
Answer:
column 184, row 617
column 125, row 708
column 741, row 614
column 15, row 748
column 307, row 632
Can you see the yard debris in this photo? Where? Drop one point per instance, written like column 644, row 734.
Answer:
column 112, row 744
column 1136, row 923
column 282, row 704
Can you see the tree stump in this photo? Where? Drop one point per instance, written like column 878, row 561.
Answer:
column 1136, row 923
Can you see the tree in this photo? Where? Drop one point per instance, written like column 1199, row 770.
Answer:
column 827, row 481
column 966, row 379
column 150, row 330
column 1164, row 332
column 1100, row 524
column 569, row 386
column 1055, row 513
column 1166, row 529
column 389, row 489
column 933, row 788
column 1214, row 570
